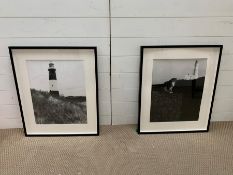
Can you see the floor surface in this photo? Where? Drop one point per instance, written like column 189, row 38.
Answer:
column 119, row 150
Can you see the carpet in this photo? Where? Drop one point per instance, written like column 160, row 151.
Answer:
column 119, row 150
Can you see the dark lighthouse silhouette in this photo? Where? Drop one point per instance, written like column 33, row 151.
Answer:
column 53, row 80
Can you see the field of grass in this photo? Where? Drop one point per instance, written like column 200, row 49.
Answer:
column 50, row 109
column 181, row 105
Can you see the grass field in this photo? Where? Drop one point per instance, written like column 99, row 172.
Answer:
column 181, row 105
column 50, row 109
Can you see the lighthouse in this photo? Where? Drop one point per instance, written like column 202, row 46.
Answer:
column 194, row 76
column 196, row 69
column 52, row 80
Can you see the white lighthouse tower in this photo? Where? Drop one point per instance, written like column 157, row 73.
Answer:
column 194, row 76
column 52, row 80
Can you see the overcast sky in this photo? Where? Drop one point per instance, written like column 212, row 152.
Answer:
column 70, row 76
column 164, row 70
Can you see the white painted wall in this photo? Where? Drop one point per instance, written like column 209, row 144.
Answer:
column 52, row 23
column 136, row 23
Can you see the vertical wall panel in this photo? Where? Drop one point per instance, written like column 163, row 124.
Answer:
column 171, row 8
column 54, row 8
column 175, row 22
column 52, row 23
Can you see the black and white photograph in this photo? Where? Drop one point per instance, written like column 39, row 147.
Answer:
column 57, row 89
column 177, row 87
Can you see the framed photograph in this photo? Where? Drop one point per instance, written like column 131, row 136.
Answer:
column 177, row 87
column 57, row 89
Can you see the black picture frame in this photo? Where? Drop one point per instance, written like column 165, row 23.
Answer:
column 142, row 48
column 94, row 48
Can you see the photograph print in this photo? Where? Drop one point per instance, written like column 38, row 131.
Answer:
column 177, row 87
column 57, row 89
column 176, row 91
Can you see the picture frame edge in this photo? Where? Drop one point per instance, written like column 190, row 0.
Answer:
column 174, row 132
column 215, row 84
column 17, row 90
